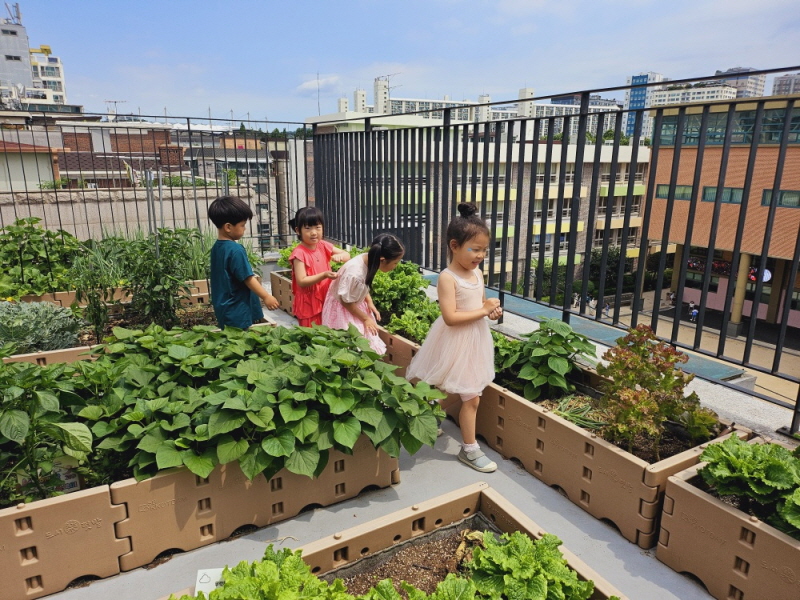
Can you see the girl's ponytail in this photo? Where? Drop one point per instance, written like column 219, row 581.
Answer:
column 384, row 246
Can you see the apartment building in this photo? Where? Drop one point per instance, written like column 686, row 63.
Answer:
column 747, row 86
column 639, row 97
column 786, row 84
column 686, row 94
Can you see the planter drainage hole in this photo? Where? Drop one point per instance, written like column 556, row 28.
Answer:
column 369, row 488
column 310, row 507
column 438, row 523
column 315, row 570
column 467, row 511
column 163, row 557
column 560, row 490
column 364, row 551
column 517, row 462
column 397, row 538
column 610, row 523
column 80, row 582
column 242, row 530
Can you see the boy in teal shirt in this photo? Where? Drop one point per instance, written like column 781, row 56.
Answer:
column 236, row 294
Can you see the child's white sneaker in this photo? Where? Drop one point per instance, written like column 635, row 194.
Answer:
column 477, row 460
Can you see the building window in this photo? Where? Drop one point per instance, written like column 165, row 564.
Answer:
column 682, row 192
column 729, row 195
column 9, row 32
column 51, row 72
column 11, row 57
column 786, row 198
column 695, row 280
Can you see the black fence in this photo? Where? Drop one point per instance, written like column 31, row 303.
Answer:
column 699, row 207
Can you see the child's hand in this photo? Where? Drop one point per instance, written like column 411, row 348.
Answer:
column 490, row 304
column 375, row 312
column 496, row 313
column 271, row 302
column 370, row 326
column 341, row 256
column 331, row 275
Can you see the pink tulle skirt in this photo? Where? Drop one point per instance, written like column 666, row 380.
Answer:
column 336, row 316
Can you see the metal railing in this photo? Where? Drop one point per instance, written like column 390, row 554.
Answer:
column 747, row 143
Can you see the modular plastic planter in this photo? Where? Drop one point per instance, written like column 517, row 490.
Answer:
column 281, row 284
column 736, row 556
column 198, row 288
column 340, row 549
column 604, row 480
column 399, row 350
column 101, row 531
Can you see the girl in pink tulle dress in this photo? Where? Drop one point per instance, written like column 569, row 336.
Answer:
column 348, row 301
column 457, row 356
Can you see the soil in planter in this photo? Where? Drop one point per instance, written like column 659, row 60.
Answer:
column 424, row 562
column 188, row 317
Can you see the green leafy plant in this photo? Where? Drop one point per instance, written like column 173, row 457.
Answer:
column 33, row 428
column 399, row 290
column 581, row 411
column 545, row 357
column 515, row 566
column 96, row 274
column 415, row 323
column 268, row 398
column 765, row 477
column 157, row 268
column 54, row 184
column 37, row 326
column 35, row 260
column 645, row 389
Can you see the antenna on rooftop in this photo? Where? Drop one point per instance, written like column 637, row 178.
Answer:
column 15, row 16
column 114, row 102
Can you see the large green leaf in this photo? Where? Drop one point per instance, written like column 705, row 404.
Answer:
column 47, row 401
column 558, row 364
column 200, row 465
column 75, row 435
column 339, row 401
column 369, row 380
column 179, row 352
column 167, row 456
column 14, row 424
column 281, row 444
column 424, row 428
column 290, row 413
column 229, row 449
column 254, row 461
column 347, row 431
column 306, row 426
column 223, row 421
column 303, row 460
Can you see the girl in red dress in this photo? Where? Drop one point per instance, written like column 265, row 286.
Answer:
column 311, row 266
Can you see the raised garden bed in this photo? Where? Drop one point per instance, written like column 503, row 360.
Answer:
column 606, row 481
column 281, row 284
column 101, row 531
column 736, row 556
column 329, row 556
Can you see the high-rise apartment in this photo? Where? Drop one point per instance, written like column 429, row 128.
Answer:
column 786, row 84
column 30, row 78
column 747, row 86
column 639, row 97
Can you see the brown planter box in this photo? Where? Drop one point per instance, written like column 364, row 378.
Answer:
column 604, row 480
column 197, row 287
column 281, row 283
column 736, row 556
column 45, row 545
column 399, row 350
column 66, row 355
column 180, row 510
column 333, row 552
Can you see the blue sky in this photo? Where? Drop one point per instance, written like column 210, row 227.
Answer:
column 285, row 61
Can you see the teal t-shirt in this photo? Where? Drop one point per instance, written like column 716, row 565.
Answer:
column 235, row 304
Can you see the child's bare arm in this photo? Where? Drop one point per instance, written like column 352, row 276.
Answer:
column 447, row 303
column 302, row 277
column 340, row 255
column 270, row 301
column 370, row 325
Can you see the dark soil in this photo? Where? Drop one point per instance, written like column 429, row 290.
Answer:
column 197, row 314
column 423, row 562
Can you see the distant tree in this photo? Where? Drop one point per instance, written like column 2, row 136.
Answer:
column 623, row 139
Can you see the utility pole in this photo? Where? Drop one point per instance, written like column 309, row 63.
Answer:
column 114, row 102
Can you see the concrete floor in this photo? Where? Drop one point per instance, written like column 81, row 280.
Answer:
column 434, row 471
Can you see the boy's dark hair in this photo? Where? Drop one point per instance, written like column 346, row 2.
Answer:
column 467, row 226
column 308, row 216
column 385, row 246
column 229, row 209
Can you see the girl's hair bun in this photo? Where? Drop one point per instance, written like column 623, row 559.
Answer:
column 467, row 209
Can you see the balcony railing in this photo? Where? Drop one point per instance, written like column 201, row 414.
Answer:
column 409, row 181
